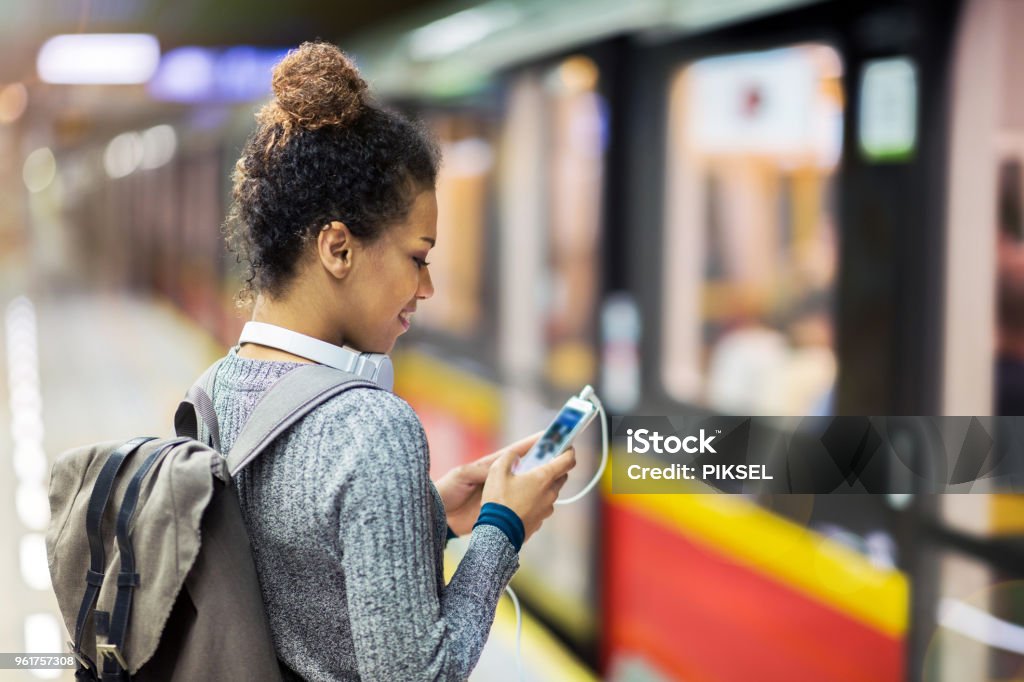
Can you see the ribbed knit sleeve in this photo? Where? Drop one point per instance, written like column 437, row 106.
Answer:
column 402, row 628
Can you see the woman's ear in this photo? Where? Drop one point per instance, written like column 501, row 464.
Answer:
column 335, row 244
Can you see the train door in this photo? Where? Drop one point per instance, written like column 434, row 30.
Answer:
column 968, row 622
column 785, row 264
column 551, row 201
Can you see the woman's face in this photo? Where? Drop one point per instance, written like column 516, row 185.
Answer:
column 389, row 278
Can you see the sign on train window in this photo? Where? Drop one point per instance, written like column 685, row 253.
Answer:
column 887, row 115
column 457, row 262
column 750, row 240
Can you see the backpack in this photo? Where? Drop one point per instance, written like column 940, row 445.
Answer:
column 162, row 584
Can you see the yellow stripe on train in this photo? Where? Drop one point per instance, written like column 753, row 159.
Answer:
column 817, row 566
column 421, row 378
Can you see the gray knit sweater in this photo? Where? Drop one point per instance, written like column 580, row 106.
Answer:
column 348, row 530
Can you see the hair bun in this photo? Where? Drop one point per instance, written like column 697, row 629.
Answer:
column 316, row 85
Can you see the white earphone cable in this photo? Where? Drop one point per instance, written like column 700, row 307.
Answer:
column 575, row 498
column 519, row 632
column 604, row 453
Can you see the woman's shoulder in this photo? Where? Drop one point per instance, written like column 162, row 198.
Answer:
column 370, row 403
column 370, row 416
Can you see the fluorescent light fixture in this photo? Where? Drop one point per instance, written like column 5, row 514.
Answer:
column 34, row 569
column 199, row 74
column 29, row 461
column 460, row 30
column 158, row 146
column 123, row 155
column 99, row 58
column 39, row 170
column 186, row 74
column 43, row 635
column 244, row 73
column 32, row 503
column 13, row 101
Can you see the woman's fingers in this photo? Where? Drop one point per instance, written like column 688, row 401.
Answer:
column 521, row 446
column 560, row 465
column 505, row 460
column 478, row 468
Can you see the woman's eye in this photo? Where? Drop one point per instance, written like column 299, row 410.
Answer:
column 420, row 263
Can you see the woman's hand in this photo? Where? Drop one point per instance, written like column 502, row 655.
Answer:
column 461, row 488
column 530, row 495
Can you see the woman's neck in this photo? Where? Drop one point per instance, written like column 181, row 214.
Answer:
column 283, row 313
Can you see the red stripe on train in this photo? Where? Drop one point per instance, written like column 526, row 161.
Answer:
column 700, row 617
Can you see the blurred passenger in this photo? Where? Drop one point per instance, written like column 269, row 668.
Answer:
column 811, row 371
column 743, row 368
column 755, row 369
column 334, row 213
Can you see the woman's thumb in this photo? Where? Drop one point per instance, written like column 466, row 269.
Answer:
column 506, row 461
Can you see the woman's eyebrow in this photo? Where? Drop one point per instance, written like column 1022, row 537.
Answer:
column 428, row 239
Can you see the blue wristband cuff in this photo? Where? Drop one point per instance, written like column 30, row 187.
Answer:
column 505, row 520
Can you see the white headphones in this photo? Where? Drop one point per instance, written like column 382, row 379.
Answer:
column 375, row 367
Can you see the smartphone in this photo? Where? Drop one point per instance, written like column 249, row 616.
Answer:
column 571, row 420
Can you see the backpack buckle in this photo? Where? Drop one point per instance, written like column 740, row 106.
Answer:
column 111, row 650
column 80, row 657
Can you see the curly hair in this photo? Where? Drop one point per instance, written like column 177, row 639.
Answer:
column 322, row 150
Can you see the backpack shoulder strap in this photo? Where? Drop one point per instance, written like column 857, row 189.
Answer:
column 115, row 626
column 290, row 399
column 94, row 516
column 195, row 417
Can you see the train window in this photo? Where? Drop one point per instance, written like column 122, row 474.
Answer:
column 550, row 200
column 1009, row 361
column 1008, row 164
column 551, row 204
column 457, row 262
column 575, row 170
column 750, row 240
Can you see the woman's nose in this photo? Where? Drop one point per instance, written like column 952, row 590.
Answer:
column 426, row 287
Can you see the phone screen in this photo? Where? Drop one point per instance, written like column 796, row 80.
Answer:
column 554, row 439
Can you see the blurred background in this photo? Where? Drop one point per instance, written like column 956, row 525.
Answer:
column 760, row 207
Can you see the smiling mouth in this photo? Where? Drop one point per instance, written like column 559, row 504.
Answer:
column 405, row 318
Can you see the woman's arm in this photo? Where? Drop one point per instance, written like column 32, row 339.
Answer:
column 402, row 629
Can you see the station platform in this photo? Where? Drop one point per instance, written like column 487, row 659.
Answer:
column 109, row 365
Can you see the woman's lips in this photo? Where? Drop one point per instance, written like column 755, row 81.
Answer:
column 404, row 318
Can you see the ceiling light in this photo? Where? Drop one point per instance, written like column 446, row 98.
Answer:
column 99, row 58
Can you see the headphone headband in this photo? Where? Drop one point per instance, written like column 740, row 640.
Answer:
column 375, row 367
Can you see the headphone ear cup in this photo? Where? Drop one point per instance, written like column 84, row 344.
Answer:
column 383, row 370
column 386, row 374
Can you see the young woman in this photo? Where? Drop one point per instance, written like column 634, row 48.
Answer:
column 334, row 212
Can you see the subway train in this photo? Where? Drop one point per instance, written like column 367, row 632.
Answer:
column 762, row 207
